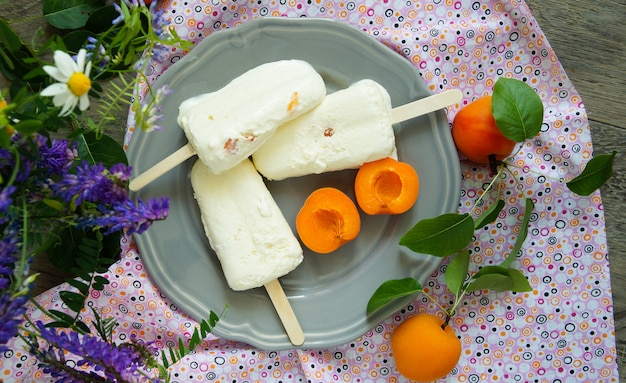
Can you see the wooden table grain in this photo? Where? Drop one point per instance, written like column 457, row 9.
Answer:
column 589, row 38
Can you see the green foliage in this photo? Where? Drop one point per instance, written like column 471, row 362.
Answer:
column 172, row 356
column 518, row 112
column 392, row 290
column 69, row 14
column 16, row 58
column 517, row 109
column 94, row 148
column 104, row 327
column 490, row 215
column 91, row 253
column 115, row 96
column 598, row 170
column 440, row 236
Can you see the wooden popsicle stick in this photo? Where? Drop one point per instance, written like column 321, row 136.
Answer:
column 285, row 312
column 426, row 105
column 401, row 113
column 162, row 167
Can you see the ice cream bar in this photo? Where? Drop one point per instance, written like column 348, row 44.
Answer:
column 228, row 125
column 350, row 127
column 244, row 225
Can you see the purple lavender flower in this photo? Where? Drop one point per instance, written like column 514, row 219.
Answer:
column 97, row 53
column 151, row 111
column 9, row 247
column 94, row 183
column 108, row 361
column 158, row 19
column 137, row 218
column 11, row 311
column 57, row 157
column 5, row 202
column 129, row 4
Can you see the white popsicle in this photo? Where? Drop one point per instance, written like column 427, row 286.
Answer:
column 349, row 128
column 228, row 125
column 245, row 226
column 249, row 234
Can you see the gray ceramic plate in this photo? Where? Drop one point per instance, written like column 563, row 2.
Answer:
column 328, row 293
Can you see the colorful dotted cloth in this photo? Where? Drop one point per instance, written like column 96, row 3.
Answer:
column 563, row 331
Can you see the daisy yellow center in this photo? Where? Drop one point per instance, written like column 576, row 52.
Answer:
column 79, row 84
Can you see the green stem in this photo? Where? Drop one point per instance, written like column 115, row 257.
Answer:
column 498, row 177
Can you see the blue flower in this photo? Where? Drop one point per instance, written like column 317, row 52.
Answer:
column 11, row 311
column 5, row 202
column 150, row 113
column 56, row 157
column 96, row 53
column 129, row 4
column 108, row 361
column 136, row 217
column 94, row 183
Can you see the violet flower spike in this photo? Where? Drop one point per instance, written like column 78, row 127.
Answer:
column 12, row 310
column 151, row 111
column 93, row 183
column 57, row 157
column 135, row 217
column 116, row 363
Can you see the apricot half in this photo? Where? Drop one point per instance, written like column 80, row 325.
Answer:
column 386, row 186
column 327, row 220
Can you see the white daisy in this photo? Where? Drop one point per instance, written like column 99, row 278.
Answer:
column 73, row 81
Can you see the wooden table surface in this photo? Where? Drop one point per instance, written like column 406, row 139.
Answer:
column 589, row 37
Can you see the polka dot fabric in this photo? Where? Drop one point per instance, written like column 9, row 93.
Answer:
column 563, row 331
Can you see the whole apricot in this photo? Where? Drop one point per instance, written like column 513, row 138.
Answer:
column 476, row 134
column 424, row 349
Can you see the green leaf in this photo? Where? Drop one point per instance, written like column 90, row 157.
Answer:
column 63, row 317
column 8, row 37
column 73, row 300
column 76, row 40
column 515, row 280
column 598, row 170
column 497, row 282
column 81, row 286
column 457, row 271
column 489, row 215
column 391, row 290
column 440, row 236
column 69, row 14
column 102, row 149
column 101, row 20
column 519, row 241
column 517, row 109
column 100, row 279
column 58, row 324
column 28, row 127
column 56, row 205
column 83, row 326
column 520, row 283
column 16, row 59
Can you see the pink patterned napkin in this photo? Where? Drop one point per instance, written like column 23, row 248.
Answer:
column 561, row 332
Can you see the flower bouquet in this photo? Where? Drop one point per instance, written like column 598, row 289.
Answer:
column 63, row 181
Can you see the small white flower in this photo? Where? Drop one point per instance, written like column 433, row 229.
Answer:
column 73, row 81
